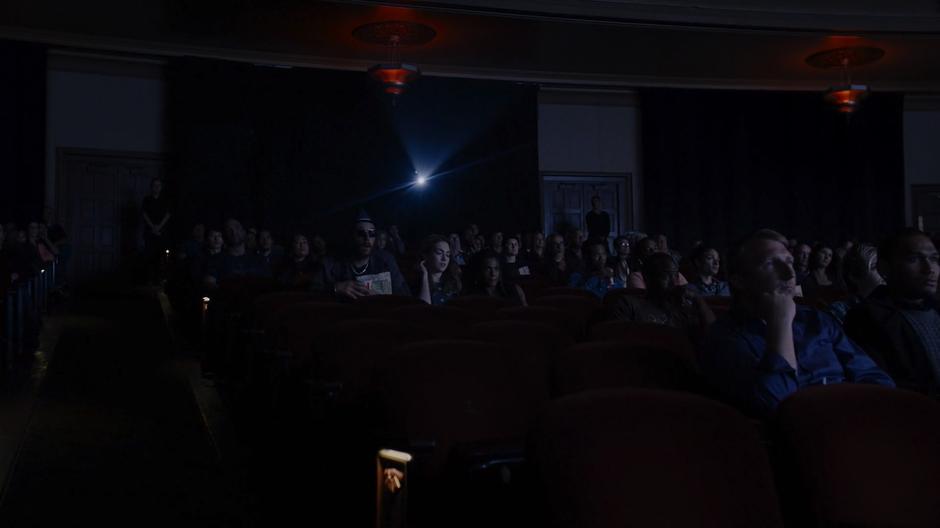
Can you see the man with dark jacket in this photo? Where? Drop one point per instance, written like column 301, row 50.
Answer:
column 899, row 324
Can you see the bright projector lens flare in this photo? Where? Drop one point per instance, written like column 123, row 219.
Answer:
column 421, row 181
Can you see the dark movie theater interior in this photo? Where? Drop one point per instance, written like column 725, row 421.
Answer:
column 470, row 263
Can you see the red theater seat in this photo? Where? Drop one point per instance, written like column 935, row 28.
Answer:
column 447, row 394
column 645, row 334
column 860, row 455
column 610, row 364
column 304, row 321
column 480, row 304
column 554, row 317
column 581, row 308
column 441, row 320
column 567, row 290
column 618, row 458
column 374, row 305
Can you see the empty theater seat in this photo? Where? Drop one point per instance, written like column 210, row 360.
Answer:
column 607, row 364
column 859, row 455
column 618, row 458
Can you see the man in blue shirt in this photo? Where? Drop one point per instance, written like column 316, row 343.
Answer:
column 768, row 348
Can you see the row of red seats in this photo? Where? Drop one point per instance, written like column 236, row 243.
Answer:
column 844, row 455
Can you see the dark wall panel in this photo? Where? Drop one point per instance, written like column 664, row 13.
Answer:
column 718, row 164
column 22, row 131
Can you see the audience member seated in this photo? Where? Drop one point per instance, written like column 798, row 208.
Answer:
column 555, row 266
column 662, row 246
column 819, row 277
column 396, row 245
column 234, row 261
column 300, row 270
column 192, row 247
column 496, row 243
column 801, row 263
column 860, row 276
column 364, row 271
column 251, row 240
column 456, row 252
column 899, row 323
column 647, row 247
column 25, row 260
column 665, row 303
column 269, row 254
column 6, row 275
column 598, row 278
column 767, row 348
column 706, row 262
column 439, row 278
column 513, row 265
column 488, row 281
column 535, row 250
column 574, row 242
column 38, row 235
column 620, row 260
column 318, row 249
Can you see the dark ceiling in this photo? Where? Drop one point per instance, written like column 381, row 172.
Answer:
column 746, row 44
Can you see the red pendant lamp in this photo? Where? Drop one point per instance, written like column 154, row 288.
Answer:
column 394, row 75
column 846, row 97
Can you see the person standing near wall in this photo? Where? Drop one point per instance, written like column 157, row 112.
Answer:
column 598, row 223
column 156, row 213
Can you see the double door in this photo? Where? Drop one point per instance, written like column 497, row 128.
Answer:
column 567, row 200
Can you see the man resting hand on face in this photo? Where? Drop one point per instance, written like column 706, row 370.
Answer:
column 767, row 347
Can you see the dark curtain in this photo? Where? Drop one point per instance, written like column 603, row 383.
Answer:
column 22, row 131
column 719, row 164
column 302, row 150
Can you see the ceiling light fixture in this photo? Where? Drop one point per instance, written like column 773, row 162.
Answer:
column 847, row 96
column 394, row 75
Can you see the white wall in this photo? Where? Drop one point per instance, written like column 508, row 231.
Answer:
column 591, row 132
column 921, row 145
column 99, row 102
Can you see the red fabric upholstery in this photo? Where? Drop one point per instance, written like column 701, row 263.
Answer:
column 532, row 286
column 608, row 364
column 581, row 308
column 543, row 314
column 567, row 290
column 618, row 458
column 304, row 321
column 533, row 345
column 440, row 320
column 860, row 455
column 268, row 308
column 453, row 393
column 480, row 304
column 353, row 352
column 613, row 296
column 375, row 305
column 645, row 334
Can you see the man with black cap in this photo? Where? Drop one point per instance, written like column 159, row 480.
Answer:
column 365, row 271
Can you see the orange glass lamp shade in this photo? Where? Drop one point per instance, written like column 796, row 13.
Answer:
column 847, row 98
column 394, row 78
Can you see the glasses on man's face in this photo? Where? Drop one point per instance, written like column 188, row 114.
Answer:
column 623, row 244
column 362, row 233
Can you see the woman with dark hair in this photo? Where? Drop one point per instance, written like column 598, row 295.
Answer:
column 819, row 277
column 705, row 264
column 489, row 281
column 440, row 276
column 620, row 260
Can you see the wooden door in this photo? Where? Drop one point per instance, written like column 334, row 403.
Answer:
column 565, row 209
column 98, row 202
column 925, row 206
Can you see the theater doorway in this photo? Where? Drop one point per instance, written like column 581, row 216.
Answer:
column 98, row 198
column 566, row 199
